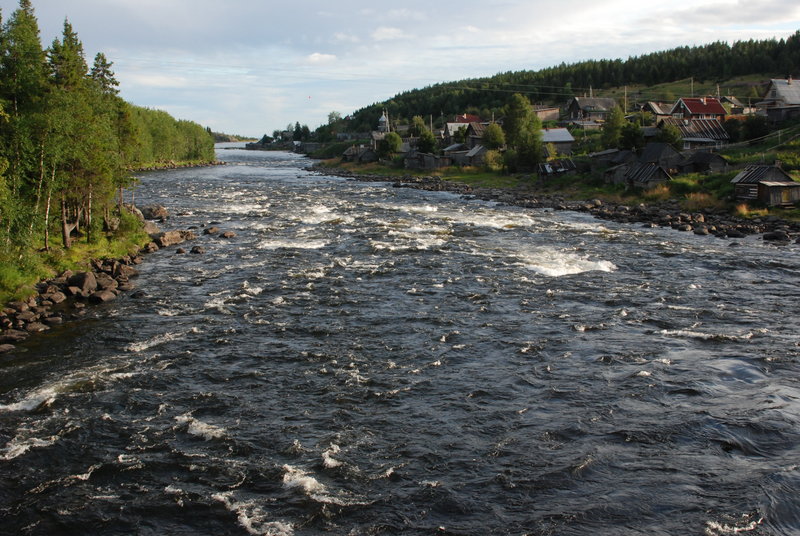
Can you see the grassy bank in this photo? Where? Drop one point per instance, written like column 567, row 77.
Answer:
column 22, row 269
column 694, row 192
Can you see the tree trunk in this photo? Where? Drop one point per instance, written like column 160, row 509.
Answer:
column 89, row 217
column 38, row 189
column 47, row 217
column 66, row 228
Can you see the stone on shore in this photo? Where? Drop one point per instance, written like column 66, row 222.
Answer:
column 36, row 327
column 102, row 296
column 85, row 282
column 5, row 348
column 228, row 234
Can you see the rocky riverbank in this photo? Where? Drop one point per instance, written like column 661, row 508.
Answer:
column 67, row 296
column 660, row 214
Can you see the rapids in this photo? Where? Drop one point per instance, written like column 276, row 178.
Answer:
column 362, row 359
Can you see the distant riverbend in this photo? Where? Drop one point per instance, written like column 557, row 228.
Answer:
column 358, row 358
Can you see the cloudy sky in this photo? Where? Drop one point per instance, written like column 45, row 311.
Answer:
column 250, row 67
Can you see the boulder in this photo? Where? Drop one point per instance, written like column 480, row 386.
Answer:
column 777, row 236
column 168, row 238
column 106, row 282
column 36, row 327
column 198, row 250
column 155, row 212
column 211, row 230
column 85, row 282
column 53, row 320
column 55, row 297
column 5, row 348
column 228, row 234
column 102, row 296
column 151, row 228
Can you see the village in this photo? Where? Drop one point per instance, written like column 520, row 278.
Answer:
column 697, row 137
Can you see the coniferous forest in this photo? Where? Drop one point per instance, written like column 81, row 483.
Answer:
column 68, row 141
column 717, row 61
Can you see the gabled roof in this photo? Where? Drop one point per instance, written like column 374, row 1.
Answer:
column 756, row 173
column 467, row 118
column 701, row 130
column 788, row 92
column 656, row 108
column 476, row 129
column 701, row 106
column 702, row 157
column 475, row 151
column 645, row 172
column 556, row 135
column 653, row 152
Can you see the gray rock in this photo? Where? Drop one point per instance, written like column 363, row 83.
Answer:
column 198, row 250
column 5, row 348
column 777, row 236
column 155, row 212
column 84, row 281
column 102, row 296
column 36, row 327
column 168, row 238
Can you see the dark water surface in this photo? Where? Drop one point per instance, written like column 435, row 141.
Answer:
column 362, row 359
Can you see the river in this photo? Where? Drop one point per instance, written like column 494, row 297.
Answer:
column 369, row 360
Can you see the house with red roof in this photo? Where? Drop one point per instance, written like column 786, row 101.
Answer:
column 698, row 108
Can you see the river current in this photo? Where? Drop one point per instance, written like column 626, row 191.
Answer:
column 368, row 360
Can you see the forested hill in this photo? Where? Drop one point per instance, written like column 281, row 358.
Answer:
column 716, row 61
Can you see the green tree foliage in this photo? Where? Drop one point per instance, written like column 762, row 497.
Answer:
column 417, row 126
column 426, row 142
column 67, row 141
column 390, row 144
column 612, row 129
column 670, row 135
column 631, row 136
column 523, row 131
column 494, row 137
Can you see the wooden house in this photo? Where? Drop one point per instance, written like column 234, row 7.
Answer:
column 590, row 108
column 662, row 154
column 770, row 185
column 703, row 162
column 646, row 175
column 475, row 133
column 781, row 101
column 699, row 133
column 656, row 109
column 560, row 138
column 698, row 108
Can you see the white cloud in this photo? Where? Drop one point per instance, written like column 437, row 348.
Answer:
column 316, row 57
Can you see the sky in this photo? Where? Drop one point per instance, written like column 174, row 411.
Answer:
column 252, row 67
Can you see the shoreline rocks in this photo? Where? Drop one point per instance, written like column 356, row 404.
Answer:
column 659, row 214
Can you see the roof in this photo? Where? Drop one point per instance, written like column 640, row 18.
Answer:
column 476, row 129
column 653, row 152
column 452, row 128
column 788, row 91
column 701, row 106
column 475, row 151
column 467, row 118
column 657, row 108
column 756, row 173
column 556, row 135
column 595, row 104
column 703, row 130
column 703, row 157
column 454, row 147
column 645, row 172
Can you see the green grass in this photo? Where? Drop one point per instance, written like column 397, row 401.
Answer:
column 21, row 269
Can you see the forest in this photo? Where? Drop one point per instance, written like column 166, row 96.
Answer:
column 717, row 61
column 69, row 142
